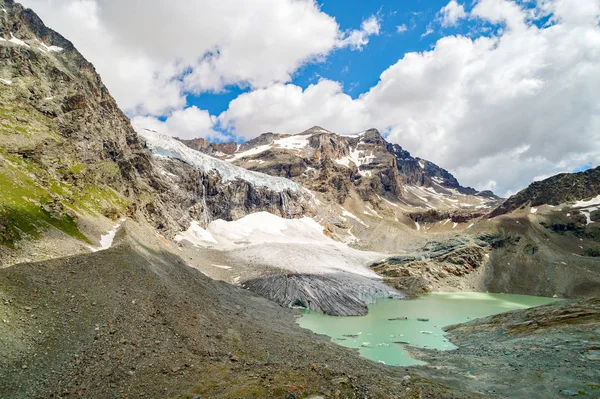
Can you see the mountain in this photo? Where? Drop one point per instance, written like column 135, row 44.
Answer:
column 134, row 264
column 555, row 190
column 329, row 162
column 71, row 164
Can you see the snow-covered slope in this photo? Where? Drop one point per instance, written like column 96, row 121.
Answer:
column 295, row 245
column 167, row 146
column 298, row 143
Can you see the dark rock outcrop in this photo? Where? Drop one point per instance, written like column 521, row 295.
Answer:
column 332, row 294
column 554, row 190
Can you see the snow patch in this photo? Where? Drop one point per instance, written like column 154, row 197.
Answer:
column 296, row 245
column 353, row 216
column 297, row 142
column 167, row 146
column 389, row 202
column 6, row 81
column 50, row 49
column 196, row 235
column 107, row 239
column 18, row 42
column 533, row 210
column 221, row 266
column 252, row 151
column 590, row 202
column 370, row 211
column 587, row 212
column 356, row 158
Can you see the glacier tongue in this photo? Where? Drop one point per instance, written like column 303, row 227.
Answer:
column 167, row 146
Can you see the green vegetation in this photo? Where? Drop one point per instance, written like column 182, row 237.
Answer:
column 33, row 197
column 32, row 200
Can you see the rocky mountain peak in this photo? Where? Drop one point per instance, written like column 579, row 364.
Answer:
column 316, row 130
column 555, row 190
column 364, row 163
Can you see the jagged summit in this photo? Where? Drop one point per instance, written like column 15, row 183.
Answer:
column 316, row 129
column 363, row 162
column 555, row 190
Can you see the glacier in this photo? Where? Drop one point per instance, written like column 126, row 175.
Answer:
column 167, row 146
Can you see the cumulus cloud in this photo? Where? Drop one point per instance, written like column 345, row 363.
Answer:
column 187, row 123
column 359, row 38
column 451, row 13
column 151, row 55
column 496, row 110
column 287, row 108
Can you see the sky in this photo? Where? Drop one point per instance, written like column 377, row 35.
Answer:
column 499, row 92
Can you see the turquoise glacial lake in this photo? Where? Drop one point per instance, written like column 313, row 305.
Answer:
column 379, row 339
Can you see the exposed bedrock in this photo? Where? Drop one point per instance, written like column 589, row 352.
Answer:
column 333, row 294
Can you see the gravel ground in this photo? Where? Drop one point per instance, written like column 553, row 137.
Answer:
column 550, row 351
column 133, row 321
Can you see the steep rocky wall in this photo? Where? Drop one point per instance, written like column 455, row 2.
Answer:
column 205, row 197
column 554, row 190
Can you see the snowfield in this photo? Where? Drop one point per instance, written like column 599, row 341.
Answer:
column 167, row 146
column 297, row 142
column 295, row 245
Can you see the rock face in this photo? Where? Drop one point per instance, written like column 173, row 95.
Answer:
column 544, row 352
column 555, row 190
column 215, row 149
column 73, row 153
column 439, row 266
column 339, row 165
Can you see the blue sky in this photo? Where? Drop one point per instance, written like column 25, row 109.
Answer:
column 358, row 70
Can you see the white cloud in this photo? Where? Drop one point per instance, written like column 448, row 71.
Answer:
column 401, row 28
column 451, row 13
column 288, row 108
column 427, row 32
column 496, row 110
column 142, row 51
column 357, row 39
column 502, row 11
column 505, row 108
column 188, row 123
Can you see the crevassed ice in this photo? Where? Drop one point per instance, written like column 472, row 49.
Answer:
column 167, row 146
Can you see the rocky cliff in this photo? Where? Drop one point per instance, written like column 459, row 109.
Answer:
column 70, row 161
column 364, row 163
column 555, row 190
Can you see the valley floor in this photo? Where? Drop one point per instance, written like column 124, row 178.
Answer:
column 79, row 327
column 136, row 321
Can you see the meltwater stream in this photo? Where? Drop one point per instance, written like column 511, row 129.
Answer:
column 380, row 339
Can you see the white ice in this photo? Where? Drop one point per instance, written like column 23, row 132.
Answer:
column 167, row 146
column 296, row 245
